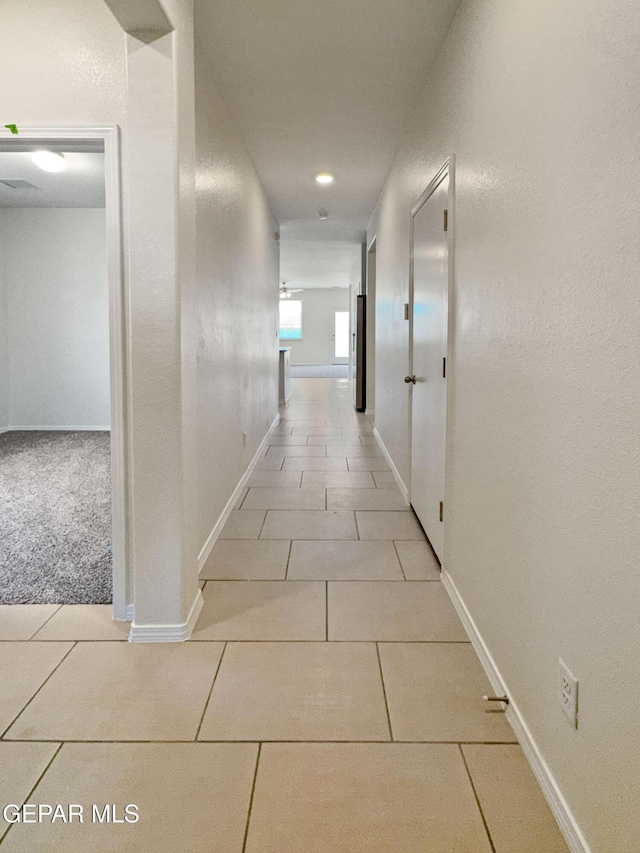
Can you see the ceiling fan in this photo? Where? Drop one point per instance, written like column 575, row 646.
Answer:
column 285, row 293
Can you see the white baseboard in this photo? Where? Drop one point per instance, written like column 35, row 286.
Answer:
column 126, row 614
column 176, row 633
column 394, row 470
column 50, row 428
column 559, row 806
column 226, row 512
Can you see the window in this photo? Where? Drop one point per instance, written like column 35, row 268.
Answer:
column 290, row 319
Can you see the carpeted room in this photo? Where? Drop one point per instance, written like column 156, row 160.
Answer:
column 55, row 482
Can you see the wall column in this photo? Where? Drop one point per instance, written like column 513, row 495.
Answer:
column 160, row 215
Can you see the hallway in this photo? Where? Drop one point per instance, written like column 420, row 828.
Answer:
column 296, row 677
column 328, row 702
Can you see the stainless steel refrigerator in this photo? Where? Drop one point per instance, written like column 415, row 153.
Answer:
column 360, row 354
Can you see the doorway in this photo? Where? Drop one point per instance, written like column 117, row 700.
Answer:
column 429, row 316
column 339, row 336
column 63, row 437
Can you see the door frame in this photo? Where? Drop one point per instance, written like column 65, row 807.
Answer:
column 118, row 341
column 371, row 264
column 448, row 167
column 343, row 359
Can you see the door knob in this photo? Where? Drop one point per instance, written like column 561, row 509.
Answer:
column 409, row 379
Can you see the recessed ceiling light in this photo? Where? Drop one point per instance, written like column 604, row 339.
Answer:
column 50, row 161
column 324, row 178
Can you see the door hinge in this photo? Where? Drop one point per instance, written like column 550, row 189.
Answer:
column 446, row 220
column 444, row 367
column 441, row 510
column 406, row 310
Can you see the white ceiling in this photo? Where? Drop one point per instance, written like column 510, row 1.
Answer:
column 80, row 185
column 315, row 263
column 318, row 86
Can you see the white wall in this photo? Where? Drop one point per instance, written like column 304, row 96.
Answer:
column 540, row 105
column 317, row 317
column 160, row 194
column 237, row 305
column 65, row 60
column 371, row 330
column 56, row 356
column 4, row 349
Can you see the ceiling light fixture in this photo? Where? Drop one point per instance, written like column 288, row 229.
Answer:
column 324, row 178
column 322, row 214
column 50, row 161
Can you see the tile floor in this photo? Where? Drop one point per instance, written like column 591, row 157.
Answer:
column 328, row 702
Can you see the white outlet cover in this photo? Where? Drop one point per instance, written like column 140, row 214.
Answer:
column 568, row 693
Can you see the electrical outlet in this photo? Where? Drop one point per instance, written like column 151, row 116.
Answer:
column 568, row 693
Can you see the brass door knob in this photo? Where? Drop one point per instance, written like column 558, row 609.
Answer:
column 411, row 379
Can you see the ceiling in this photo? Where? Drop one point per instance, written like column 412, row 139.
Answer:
column 80, row 185
column 315, row 87
column 315, row 263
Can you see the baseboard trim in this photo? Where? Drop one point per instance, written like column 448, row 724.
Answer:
column 176, row 633
column 125, row 615
column 557, row 803
column 226, row 512
column 48, row 428
column 394, row 470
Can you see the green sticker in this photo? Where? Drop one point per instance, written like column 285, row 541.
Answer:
column 12, row 127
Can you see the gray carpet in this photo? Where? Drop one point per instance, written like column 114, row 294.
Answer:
column 55, row 518
column 319, row 371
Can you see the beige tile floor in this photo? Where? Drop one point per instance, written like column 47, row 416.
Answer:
column 328, row 702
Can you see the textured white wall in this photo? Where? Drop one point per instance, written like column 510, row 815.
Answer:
column 539, row 102
column 65, row 61
column 317, row 316
column 371, row 330
column 4, row 350
column 57, row 316
column 237, row 305
column 161, row 219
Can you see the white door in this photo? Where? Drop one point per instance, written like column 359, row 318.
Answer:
column 340, row 337
column 429, row 348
